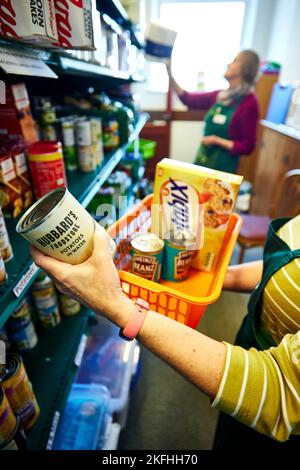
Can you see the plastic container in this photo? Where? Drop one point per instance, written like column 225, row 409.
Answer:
column 159, row 42
column 177, row 301
column 110, row 361
column 146, row 148
column 84, row 423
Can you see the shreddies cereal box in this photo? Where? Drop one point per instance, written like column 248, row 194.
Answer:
column 197, row 199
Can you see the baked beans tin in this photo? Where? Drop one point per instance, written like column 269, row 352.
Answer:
column 18, row 391
column 146, row 256
column 178, row 255
column 46, row 303
column 69, row 306
column 60, row 227
column 3, row 275
column 5, row 246
column 47, row 167
column 8, row 421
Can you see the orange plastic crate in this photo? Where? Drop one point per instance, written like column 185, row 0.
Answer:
column 183, row 301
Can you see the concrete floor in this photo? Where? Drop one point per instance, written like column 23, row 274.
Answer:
column 166, row 411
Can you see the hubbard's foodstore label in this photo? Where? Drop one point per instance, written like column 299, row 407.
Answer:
column 60, row 227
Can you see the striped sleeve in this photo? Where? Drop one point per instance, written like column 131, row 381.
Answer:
column 262, row 388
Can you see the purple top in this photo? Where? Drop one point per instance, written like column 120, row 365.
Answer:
column 243, row 125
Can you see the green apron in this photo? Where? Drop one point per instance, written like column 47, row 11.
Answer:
column 217, row 122
column 276, row 255
column 230, row 433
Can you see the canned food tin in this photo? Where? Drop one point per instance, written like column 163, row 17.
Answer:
column 5, row 246
column 69, row 147
column 60, row 227
column 21, row 329
column 146, row 256
column 47, row 167
column 83, row 132
column 68, row 305
column 19, row 391
column 96, row 125
column 178, row 256
column 3, row 275
column 46, row 303
column 86, row 158
column 49, row 132
column 8, row 421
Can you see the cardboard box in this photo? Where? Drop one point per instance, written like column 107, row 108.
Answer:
column 197, row 199
column 15, row 116
column 28, row 20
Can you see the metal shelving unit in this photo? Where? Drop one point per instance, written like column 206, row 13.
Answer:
column 21, row 269
column 52, row 366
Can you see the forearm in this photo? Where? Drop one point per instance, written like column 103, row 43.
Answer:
column 243, row 277
column 198, row 358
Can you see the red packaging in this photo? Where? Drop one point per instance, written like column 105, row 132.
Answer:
column 18, row 153
column 46, row 166
column 16, row 120
column 74, row 23
column 28, row 20
column 11, row 199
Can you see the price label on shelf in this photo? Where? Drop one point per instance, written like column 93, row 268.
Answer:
column 21, row 63
column 25, row 279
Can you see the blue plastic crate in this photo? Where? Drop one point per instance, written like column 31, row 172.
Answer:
column 84, row 422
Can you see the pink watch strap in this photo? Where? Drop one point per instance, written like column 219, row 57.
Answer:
column 136, row 320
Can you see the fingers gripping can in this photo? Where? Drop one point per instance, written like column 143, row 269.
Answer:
column 60, row 227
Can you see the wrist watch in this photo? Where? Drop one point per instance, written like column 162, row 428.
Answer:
column 136, row 320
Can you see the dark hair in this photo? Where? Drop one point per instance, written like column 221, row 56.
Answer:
column 250, row 65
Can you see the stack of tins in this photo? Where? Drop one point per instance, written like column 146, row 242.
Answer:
column 19, row 409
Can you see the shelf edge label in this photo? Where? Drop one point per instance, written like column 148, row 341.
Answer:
column 53, row 429
column 25, row 280
column 80, row 350
column 21, row 63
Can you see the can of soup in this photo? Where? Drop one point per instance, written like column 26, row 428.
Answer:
column 69, row 306
column 46, row 303
column 20, row 328
column 178, row 255
column 59, row 226
column 18, row 391
column 146, row 256
column 8, row 421
column 17, row 440
column 47, row 167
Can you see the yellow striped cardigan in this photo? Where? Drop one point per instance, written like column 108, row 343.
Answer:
column 262, row 388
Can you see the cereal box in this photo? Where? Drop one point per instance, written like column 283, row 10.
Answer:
column 196, row 199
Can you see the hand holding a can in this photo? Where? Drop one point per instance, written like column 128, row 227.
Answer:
column 95, row 282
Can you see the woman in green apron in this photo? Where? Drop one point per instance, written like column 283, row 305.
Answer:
column 230, row 124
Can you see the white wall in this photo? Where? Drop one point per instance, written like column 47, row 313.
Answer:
column 284, row 39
